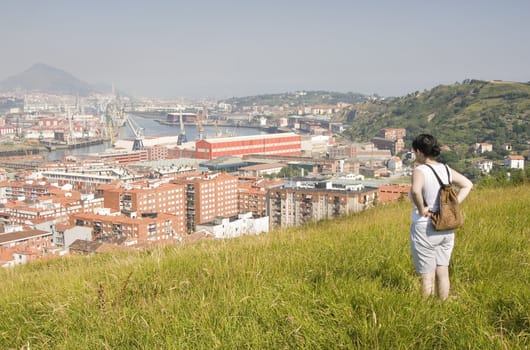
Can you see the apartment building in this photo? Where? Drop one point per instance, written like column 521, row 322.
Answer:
column 394, row 146
column 307, row 202
column 157, row 152
column 124, row 156
column 392, row 133
column 361, row 152
column 252, row 195
column 111, row 227
column 17, row 190
column 56, row 205
column 88, row 179
column 390, row 139
column 236, row 226
column 63, row 235
column 146, row 197
column 394, row 164
column 23, row 246
column 208, row 196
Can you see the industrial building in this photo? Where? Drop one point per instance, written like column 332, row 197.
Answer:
column 286, row 144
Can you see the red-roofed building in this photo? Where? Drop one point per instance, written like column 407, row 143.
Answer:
column 153, row 227
column 7, row 130
column 392, row 133
column 55, row 204
column 157, row 152
column 391, row 193
column 252, row 195
column 514, row 162
column 394, row 164
column 148, row 198
column 16, row 190
column 30, row 243
column 286, row 144
column 208, row 196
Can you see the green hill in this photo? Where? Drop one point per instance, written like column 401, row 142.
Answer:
column 462, row 113
column 340, row 284
column 296, row 99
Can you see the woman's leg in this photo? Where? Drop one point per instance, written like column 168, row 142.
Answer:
column 442, row 280
column 427, row 283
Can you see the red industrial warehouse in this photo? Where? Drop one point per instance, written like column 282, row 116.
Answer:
column 283, row 144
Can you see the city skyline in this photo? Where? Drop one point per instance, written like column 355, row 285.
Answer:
column 236, row 48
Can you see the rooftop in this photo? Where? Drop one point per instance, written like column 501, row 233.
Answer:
column 249, row 137
column 22, row 235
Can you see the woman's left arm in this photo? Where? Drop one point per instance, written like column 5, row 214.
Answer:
column 463, row 183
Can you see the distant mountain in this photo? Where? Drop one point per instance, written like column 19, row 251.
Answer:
column 44, row 78
column 459, row 114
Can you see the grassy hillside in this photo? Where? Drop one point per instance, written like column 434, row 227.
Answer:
column 345, row 283
column 462, row 113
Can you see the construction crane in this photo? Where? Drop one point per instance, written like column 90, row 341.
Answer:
column 199, row 125
column 138, row 132
column 182, row 136
column 218, row 132
column 110, row 131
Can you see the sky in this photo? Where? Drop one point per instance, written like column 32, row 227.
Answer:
column 219, row 49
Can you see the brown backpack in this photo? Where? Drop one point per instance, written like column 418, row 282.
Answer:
column 449, row 215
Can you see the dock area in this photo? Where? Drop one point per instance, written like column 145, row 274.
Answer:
column 52, row 146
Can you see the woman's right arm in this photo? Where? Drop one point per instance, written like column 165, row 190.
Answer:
column 416, row 192
column 463, row 183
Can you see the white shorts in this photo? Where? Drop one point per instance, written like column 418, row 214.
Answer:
column 430, row 248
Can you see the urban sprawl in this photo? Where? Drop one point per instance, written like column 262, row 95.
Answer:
column 146, row 191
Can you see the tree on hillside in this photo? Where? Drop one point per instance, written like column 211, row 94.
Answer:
column 449, row 157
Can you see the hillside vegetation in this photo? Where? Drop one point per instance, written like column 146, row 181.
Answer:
column 462, row 113
column 296, row 99
column 345, row 283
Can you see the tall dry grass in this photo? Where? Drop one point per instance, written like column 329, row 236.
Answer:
column 344, row 283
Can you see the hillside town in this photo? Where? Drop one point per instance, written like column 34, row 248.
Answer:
column 149, row 191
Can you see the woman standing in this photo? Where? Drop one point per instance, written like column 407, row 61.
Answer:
column 431, row 249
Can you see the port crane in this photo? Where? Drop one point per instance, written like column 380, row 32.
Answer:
column 110, row 131
column 218, row 132
column 138, row 132
column 199, row 125
column 182, row 136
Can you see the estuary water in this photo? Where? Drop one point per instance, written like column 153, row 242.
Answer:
column 153, row 128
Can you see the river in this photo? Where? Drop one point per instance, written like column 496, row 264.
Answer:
column 154, row 128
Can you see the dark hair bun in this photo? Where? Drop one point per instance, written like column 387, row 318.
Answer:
column 436, row 150
column 427, row 144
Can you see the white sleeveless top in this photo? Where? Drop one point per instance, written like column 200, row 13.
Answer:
column 431, row 187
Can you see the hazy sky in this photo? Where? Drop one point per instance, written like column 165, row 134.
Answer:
column 235, row 48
